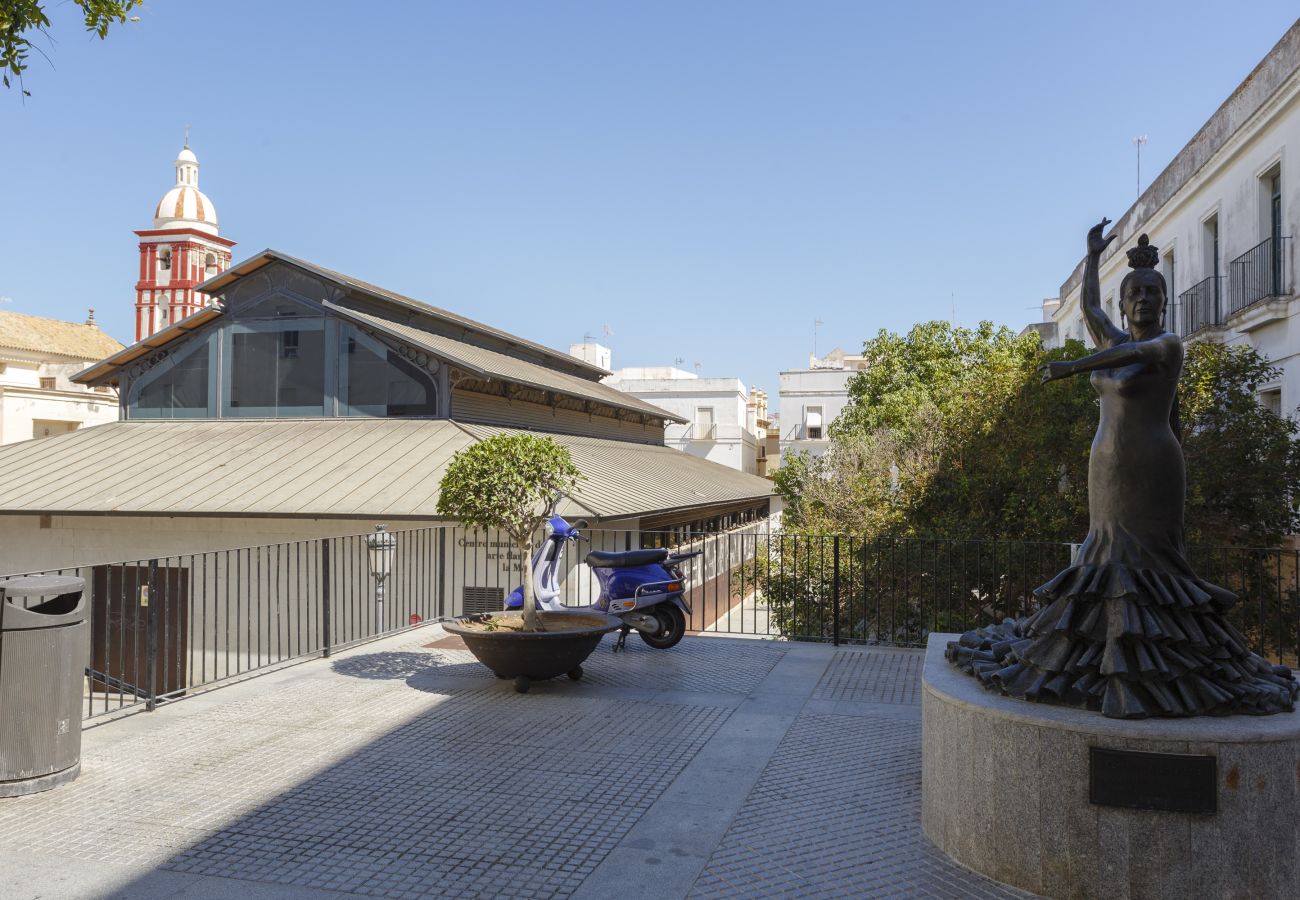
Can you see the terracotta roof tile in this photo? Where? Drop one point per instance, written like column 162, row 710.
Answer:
column 37, row 334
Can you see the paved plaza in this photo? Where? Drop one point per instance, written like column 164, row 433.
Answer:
column 720, row 768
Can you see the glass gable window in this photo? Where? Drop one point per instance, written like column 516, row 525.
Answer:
column 275, row 369
column 179, row 391
column 375, row 381
column 284, row 364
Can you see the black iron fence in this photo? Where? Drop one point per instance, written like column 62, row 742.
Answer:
column 1199, row 307
column 167, row 626
column 1257, row 274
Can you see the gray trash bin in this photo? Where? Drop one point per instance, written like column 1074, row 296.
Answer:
column 44, row 647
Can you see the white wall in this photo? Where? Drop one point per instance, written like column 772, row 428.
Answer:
column 804, row 388
column 24, row 403
column 734, row 440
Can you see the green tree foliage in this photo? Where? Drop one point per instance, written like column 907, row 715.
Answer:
column 508, row 482
column 954, row 478
column 19, row 19
column 949, row 433
column 1243, row 462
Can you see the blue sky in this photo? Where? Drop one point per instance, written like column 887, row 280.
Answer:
column 706, row 178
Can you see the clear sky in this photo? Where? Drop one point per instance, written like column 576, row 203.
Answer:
column 706, row 178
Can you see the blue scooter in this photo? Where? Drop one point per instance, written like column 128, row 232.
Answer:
column 644, row 588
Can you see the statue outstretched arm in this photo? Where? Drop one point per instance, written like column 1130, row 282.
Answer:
column 1102, row 330
column 1162, row 350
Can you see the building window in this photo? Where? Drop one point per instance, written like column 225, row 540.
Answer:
column 1211, row 237
column 375, row 381
column 275, row 369
column 178, row 391
column 705, row 428
column 48, row 384
column 813, row 426
column 1272, row 401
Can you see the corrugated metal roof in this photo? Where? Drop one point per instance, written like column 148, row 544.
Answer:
column 507, row 368
column 37, row 334
column 106, row 368
column 324, row 468
column 636, row 479
column 218, row 283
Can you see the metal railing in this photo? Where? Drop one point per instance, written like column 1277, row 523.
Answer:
column 167, row 626
column 1199, row 307
column 704, row 431
column 1257, row 274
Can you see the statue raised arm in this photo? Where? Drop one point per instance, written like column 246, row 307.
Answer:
column 1128, row 628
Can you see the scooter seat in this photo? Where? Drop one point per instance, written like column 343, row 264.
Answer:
column 600, row 559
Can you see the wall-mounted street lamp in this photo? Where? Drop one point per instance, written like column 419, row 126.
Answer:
column 380, row 548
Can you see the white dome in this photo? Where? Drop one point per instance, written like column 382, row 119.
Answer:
column 185, row 206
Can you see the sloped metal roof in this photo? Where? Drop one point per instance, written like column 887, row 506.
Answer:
column 636, row 479
column 507, row 368
column 325, row 468
column 126, row 355
column 218, row 283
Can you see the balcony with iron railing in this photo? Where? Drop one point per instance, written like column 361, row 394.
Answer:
column 1258, row 274
column 1198, row 307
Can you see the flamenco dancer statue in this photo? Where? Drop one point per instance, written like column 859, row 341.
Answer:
column 1129, row 629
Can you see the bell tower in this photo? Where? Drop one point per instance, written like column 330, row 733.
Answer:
column 180, row 252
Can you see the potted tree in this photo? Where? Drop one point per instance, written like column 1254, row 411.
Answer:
column 507, row 482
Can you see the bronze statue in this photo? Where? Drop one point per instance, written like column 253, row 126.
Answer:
column 1128, row 628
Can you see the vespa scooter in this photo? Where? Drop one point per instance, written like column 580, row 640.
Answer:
column 644, row 588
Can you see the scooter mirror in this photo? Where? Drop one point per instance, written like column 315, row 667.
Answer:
column 581, row 524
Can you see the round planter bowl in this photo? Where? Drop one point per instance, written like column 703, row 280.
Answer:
column 536, row 655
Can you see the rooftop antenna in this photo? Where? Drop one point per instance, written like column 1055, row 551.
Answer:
column 606, row 331
column 817, row 323
column 1138, row 142
column 586, row 337
column 679, row 361
column 697, row 366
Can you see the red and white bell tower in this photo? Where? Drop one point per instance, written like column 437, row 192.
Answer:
column 182, row 250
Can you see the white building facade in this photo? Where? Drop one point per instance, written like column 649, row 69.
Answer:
column 38, row 357
column 811, row 399
column 1225, row 215
column 722, row 424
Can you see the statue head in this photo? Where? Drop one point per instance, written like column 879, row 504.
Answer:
column 1143, row 293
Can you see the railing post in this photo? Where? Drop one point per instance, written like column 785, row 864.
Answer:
column 325, row 628
column 835, row 589
column 442, row 572
column 151, row 641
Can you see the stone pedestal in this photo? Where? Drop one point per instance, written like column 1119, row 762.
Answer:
column 1005, row 791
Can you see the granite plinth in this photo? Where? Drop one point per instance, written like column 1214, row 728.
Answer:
column 1005, row 792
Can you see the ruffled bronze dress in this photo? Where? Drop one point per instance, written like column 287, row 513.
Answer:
column 1129, row 629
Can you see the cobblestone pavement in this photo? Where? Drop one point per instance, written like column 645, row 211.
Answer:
column 719, row 768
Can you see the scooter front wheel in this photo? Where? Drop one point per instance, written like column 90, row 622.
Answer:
column 672, row 626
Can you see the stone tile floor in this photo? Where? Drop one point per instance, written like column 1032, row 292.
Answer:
column 720, row 768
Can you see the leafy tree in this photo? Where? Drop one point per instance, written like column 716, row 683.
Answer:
column 507, row 482
column 1243, row 462
column 949, row 433
column 19, row 18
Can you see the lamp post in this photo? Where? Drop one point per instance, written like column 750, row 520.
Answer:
column 380, row 547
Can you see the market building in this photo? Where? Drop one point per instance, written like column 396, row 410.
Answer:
column 303, row 403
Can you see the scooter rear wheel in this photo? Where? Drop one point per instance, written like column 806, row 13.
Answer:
column 672, row 626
